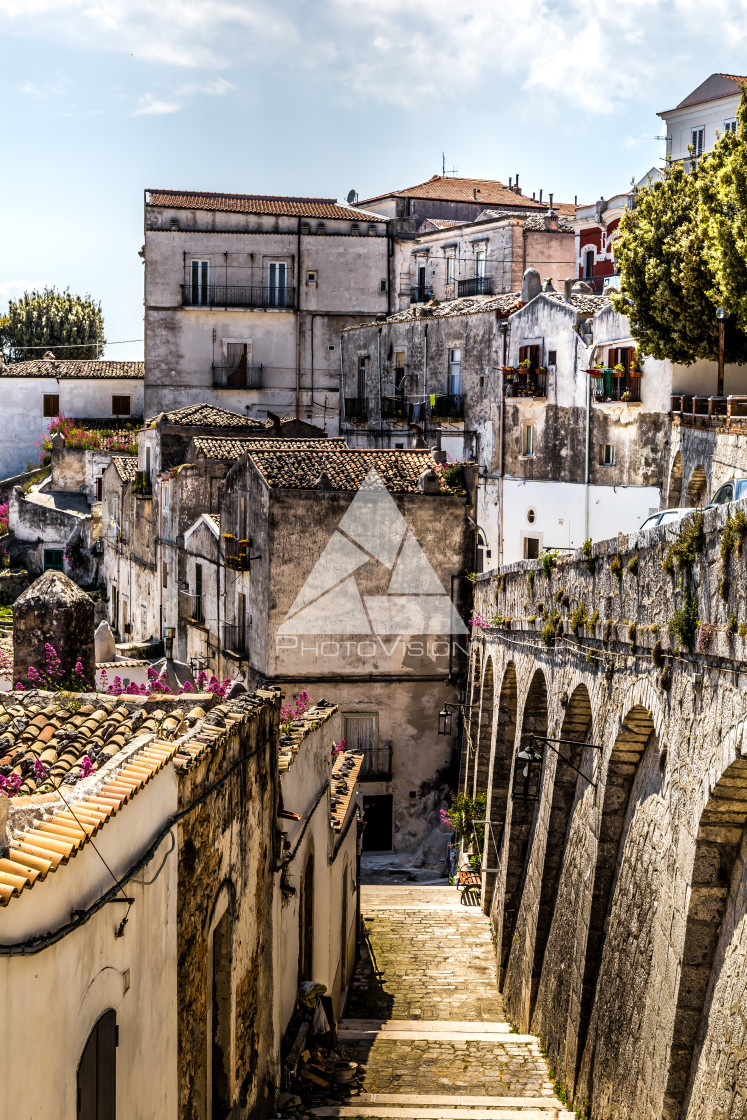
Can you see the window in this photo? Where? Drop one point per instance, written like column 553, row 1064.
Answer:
column 530, row 353
column 97, row 1072
column 361, row 733
column 382, row 285
column 607, row 454
column 305, row 227
column 354, row 228
column 362, row 360
column 147, row 459
column 166, row 496
column 480, row 259
column 730, row 125
column 200, row 291
column 51, row 404
column 120, row 406
column 450, row 269
column 320, row 227
column 241, row 620
column 588, row 264
column 552, row 357
column 278, row 279
column 242, row 518
column 115, row 508
column 99, row 488
column 199, row 613
column 164, row 574
column 527, row 441
column 372, row 228
column 399, row 371
column 697, row 140
column 53, row 559
column 311, row 277
column 306, row 922
column 531, row 516
column 455, row 372
column 531, row 548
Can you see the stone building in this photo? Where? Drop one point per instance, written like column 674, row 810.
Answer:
column 245, row 297
column 278, row 547
column 35, row 392
column 614, row 865
column 164, row 944
column 449, row 198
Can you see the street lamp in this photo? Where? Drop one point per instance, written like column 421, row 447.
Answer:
column 721, row 316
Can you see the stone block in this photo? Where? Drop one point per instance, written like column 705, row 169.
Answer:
column 54, row 612
column 105, row 646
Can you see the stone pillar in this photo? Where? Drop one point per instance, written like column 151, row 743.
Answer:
column 54, row 611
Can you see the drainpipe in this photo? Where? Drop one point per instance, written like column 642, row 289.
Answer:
column 389, row 256
column 588, row 433
column 298, row 319
column 425, row 363
column 501, row 407
column 378, row 358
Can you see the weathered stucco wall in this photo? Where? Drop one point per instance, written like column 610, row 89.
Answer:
column 618, row 903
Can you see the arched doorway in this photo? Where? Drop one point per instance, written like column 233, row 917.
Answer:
column 697, row 487
column 481, row 766
column 306, row 921
column 97, row 1072
column 499, row 776
column 674, row 490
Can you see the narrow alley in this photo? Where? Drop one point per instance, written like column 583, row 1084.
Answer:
column 425, row 1020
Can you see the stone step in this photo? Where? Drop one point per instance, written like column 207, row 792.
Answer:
column 417, row 1027
column 441, row 1112
column 474, row 1035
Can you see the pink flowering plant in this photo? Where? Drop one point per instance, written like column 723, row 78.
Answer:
column 3, row 517
column 291, row 712
column 78, row 438
column 54, row 675
column 338, row 748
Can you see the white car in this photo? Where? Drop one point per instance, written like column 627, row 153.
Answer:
column 665, row 515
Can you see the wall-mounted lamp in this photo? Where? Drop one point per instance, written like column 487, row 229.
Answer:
column 446, row 718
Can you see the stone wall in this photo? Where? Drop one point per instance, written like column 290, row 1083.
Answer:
column 618, row 899
column 12, row 584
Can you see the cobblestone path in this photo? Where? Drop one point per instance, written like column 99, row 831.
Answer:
column 425, row 1019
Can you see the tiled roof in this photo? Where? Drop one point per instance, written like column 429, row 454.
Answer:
column 126, row 467
column 586, row 303
column 225, row 448
column 343, row 470
column 347, row 767
column 470, row 305
column 290, row 744
column 258, row 204
column 208, row 416
column 80, row 370
column 537, row 222
column 441, row 223
column 214, row 519
column 445, row 188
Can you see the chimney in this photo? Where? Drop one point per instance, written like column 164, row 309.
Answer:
column 517, row 183
column 548, row 285
column 531, row 285
column 533, row 194
column 550, row 197
column 540, row 197
column 568, row 289
column 510, row 183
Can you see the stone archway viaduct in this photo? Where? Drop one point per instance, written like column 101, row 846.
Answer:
column 618, row 899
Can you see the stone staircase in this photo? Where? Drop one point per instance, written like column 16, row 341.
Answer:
column 425, row 1020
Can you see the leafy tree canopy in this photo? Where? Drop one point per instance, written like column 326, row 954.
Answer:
column 68, row 325
column 682, row 252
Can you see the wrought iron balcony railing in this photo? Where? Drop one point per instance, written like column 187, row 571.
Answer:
column 477, row 286
column 393, row 408
column 520, row 382
column 237, row 553
column 377, row 765
column 238, row 295
column 355, row 409
column 142, row 487
column 447, row 407
column 420, row 294
column 237, row 377
column 611, row 387
column 234, row 639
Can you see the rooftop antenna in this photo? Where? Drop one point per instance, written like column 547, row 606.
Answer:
column 352, row 198
column 444, row 172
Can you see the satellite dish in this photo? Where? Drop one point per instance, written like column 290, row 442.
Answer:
column 352, row 197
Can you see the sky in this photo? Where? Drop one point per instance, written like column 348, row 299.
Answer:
column 106, row 98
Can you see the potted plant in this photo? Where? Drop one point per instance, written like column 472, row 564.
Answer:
column 626, row 396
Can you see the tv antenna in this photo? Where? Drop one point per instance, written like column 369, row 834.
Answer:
column 444, row 172
column 352, row 198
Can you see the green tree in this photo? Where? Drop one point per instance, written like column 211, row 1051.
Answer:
column 68, row 325
column 722, row 192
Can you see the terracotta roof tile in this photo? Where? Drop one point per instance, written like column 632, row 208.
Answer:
column 225, row 447
column 291, row 743
column 449, row 189
column 345, row 773
column 126, row 467
column 257, row 204
column 342, row 470
column 469, row 305
column 61, row 369
column 208, row 415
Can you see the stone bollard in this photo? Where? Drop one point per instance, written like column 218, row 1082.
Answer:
column 54, row 612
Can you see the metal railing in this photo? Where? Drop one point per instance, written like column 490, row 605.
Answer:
column 608, row 386
column 393, row 408
column 724, row 413
column 526, row 383
column 234, row 638
column 355, row 409
column 237, row 553
column 377, row 765
column 477, row 286
column 448, row 407
column 237, row 377
column 238, row 295
column 420, row 293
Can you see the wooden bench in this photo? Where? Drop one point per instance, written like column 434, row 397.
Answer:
column 470, row 884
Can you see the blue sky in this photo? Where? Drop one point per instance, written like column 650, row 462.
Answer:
column 104, row 98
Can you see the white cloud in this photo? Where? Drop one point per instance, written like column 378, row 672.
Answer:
column 152, row 105
column 12, row 289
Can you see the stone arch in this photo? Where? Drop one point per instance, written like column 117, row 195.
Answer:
column 714, row 945
column 481, row 746
column 674, row 491
column 472, row 723
column 499, row 776
column 619, row 811
column 576, row 725
column 697, row 487
column 519, row 821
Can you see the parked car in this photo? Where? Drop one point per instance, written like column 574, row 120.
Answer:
column 729, row 492
column 665, row 515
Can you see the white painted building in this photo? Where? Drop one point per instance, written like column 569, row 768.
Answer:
column 33, row 393
column 695, row 123
column 246, row 295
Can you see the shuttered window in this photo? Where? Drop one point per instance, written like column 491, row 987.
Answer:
column 359, row 732
column 97, row 1072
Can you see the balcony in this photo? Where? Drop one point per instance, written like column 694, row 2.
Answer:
column 420, row 294
column 142, row 487
column 237, row 553
column 521, row 381
column 238, row 295
column 447, row 407
column 613, row 387
column 393, row 408
column 234, row 639
column 600, row 284
column 477, row 286
column 355, row 410
column 237, row 377
column 377, row 765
